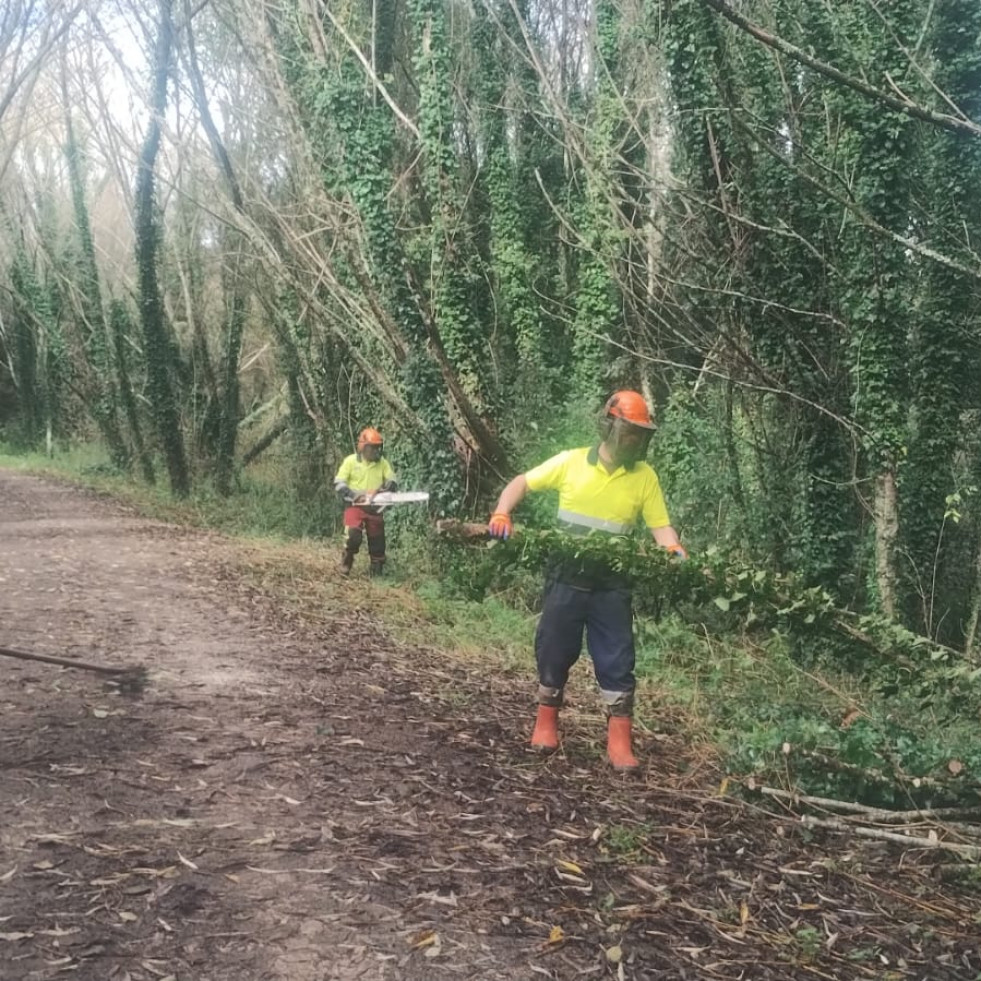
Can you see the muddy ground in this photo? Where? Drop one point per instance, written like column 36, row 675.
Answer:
column 305, row 798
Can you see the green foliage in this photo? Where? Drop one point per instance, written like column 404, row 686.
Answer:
column 626, row 841
column 919, row 702
column 39, row 361
column 338, row 111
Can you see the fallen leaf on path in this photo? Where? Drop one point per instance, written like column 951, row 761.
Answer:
column 254, row 868
column 556, row 935
column 435, row 897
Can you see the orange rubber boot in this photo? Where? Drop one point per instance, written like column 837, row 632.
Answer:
column 546, row 734
column 618, row 744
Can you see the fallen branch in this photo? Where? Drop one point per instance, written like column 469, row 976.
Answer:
column 131, row 679
column 872, row 813
column 267, row 440
column 466, row 530
column 912, row 841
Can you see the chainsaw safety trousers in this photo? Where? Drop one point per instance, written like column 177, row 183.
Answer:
column 619, row 747
column 546, row 734
column 359, row 523
column 605, row 617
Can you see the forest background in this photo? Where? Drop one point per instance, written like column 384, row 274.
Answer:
column 233, row 233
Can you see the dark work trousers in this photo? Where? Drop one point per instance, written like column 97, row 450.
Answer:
column 606, row 616
column 373, row 525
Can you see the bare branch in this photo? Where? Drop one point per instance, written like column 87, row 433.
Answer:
column 957, row 124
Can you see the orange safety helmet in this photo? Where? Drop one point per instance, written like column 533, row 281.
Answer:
column 630, row 407
column 369, row 437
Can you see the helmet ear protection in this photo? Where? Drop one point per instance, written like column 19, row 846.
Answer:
column 626, row 427
column 370, row 437
column 631, row 407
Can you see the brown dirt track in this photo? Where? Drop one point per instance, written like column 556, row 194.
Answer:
column 305, row 798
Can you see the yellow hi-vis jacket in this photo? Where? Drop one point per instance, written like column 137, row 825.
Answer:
column 591, row 499
column 362, row 476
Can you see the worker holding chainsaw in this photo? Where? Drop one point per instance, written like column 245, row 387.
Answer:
column 606, row 489
column 360, row 477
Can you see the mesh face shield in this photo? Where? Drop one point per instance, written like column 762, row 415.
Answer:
column 626, row 442
column 372, row 452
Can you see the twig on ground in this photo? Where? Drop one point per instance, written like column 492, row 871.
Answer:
column 912, row 841
column 873, row 813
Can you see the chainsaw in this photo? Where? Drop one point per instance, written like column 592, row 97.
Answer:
column 385, row 499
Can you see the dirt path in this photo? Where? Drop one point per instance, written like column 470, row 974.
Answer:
column 302, row 804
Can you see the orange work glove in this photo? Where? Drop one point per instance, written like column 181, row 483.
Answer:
column 500, row 526
column 677, row 552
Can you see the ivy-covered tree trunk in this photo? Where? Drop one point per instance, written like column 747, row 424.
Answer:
column 100, row 378
column 877, row 148
column 157, row 346
column 230, row 393
column 122, row 331
column 228, row 407
column 449, row 281
column 308, row 452
column 24, row 373
column 39, row 362
column 523, row 361
column 946, row 347
column 598, row 301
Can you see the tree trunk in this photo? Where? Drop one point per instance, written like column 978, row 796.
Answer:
column 230, row 410
column 886, row 527
column 157, row 345
column 120, row 323
column 102, row 401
